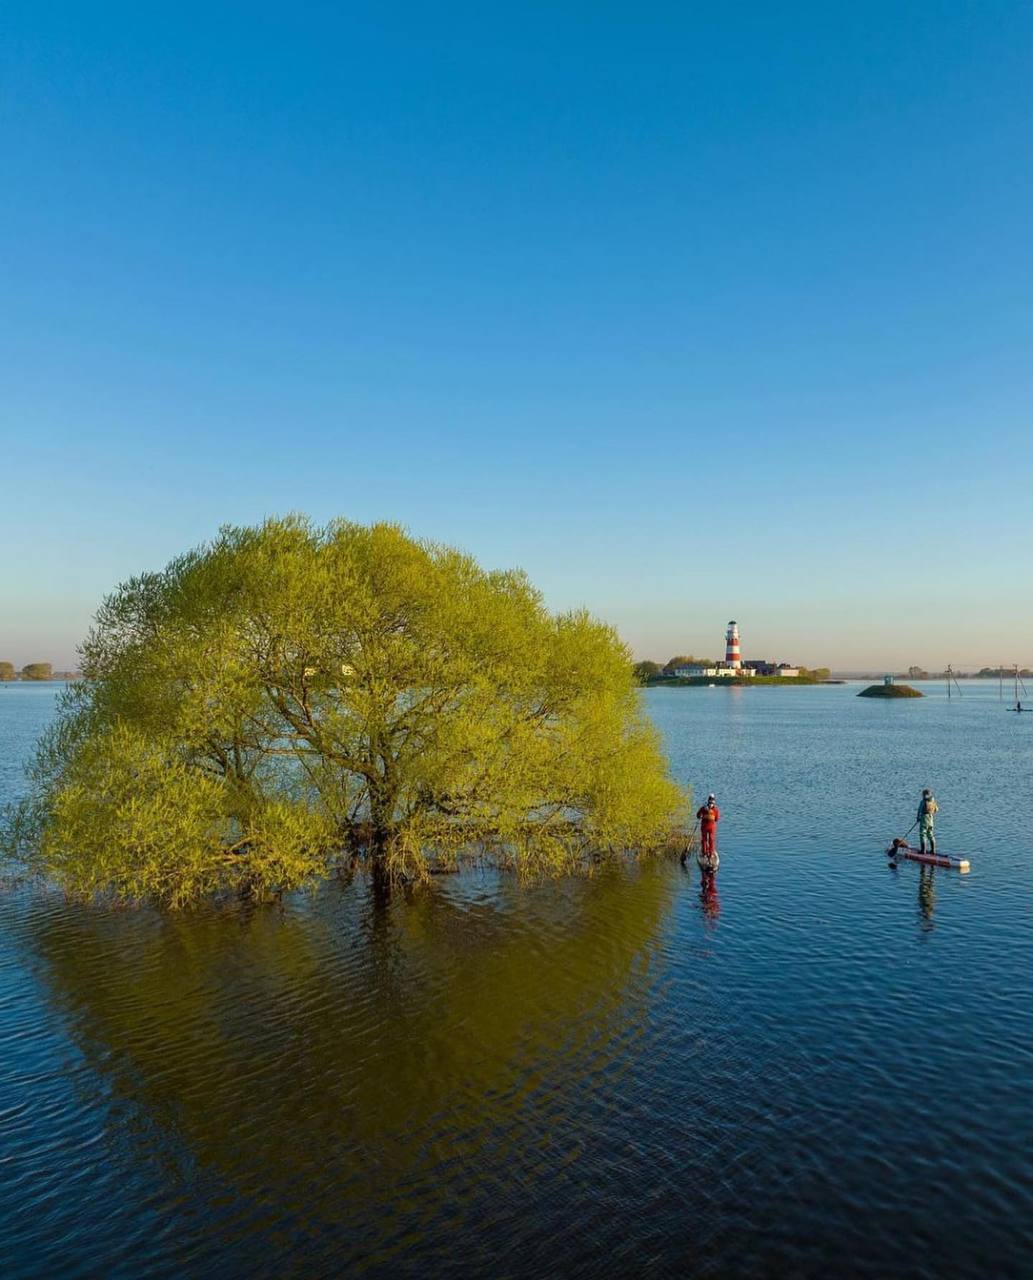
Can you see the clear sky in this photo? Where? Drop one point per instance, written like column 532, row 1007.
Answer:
column 694, row 311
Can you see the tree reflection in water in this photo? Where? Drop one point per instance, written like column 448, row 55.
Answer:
column 355, row 1064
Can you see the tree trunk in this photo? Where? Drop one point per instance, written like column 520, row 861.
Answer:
column 380, row 884
column 381, row 825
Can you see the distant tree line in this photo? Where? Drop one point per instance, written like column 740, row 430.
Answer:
column 31, row 671
column 984, row 673
column 648, row 670
column 814, row 673
column 686, row 660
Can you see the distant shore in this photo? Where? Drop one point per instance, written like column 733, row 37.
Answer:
column 59, row 677
column 740, row 682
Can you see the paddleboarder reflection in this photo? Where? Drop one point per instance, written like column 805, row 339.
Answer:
column 708, row 864
column 927, row 893
column 708, row 894
column 709, row 861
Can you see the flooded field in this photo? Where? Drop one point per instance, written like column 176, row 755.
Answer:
column 823, row 1069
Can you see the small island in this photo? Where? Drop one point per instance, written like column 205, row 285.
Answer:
column 686, row 671
column 889, row 690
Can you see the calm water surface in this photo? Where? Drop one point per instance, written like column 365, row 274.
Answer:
column 826, row 1071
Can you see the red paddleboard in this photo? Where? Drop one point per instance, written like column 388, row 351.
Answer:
column 930, row 859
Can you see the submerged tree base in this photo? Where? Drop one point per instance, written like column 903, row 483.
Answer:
column 386, row 873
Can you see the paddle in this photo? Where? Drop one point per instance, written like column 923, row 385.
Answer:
column 688, row 843
column 891, row 852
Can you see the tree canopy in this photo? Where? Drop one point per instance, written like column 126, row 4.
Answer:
column 6, row 670
column 286, row 693
column 646, row 670
column 37, row 671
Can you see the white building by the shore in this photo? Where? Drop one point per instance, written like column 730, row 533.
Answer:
column 713, row 673
column 724, row 672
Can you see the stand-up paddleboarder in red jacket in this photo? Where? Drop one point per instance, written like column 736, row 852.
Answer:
column 708, row 817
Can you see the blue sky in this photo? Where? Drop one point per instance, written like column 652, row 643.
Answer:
column 693, row 311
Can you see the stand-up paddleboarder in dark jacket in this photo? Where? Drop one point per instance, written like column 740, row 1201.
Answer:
column 927, row 810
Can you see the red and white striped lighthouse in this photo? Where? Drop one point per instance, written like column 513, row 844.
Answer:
column 732, row 658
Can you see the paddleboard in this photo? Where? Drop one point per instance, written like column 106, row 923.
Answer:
column 929, row 859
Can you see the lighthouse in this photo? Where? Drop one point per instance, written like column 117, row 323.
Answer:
column 732, row 658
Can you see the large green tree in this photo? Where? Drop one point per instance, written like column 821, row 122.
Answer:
column 287, row 691
column 37, row 671
column 6, row 670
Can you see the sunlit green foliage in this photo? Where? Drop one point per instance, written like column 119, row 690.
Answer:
column 6, row 670
column 37, row 671
column 288, row 692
